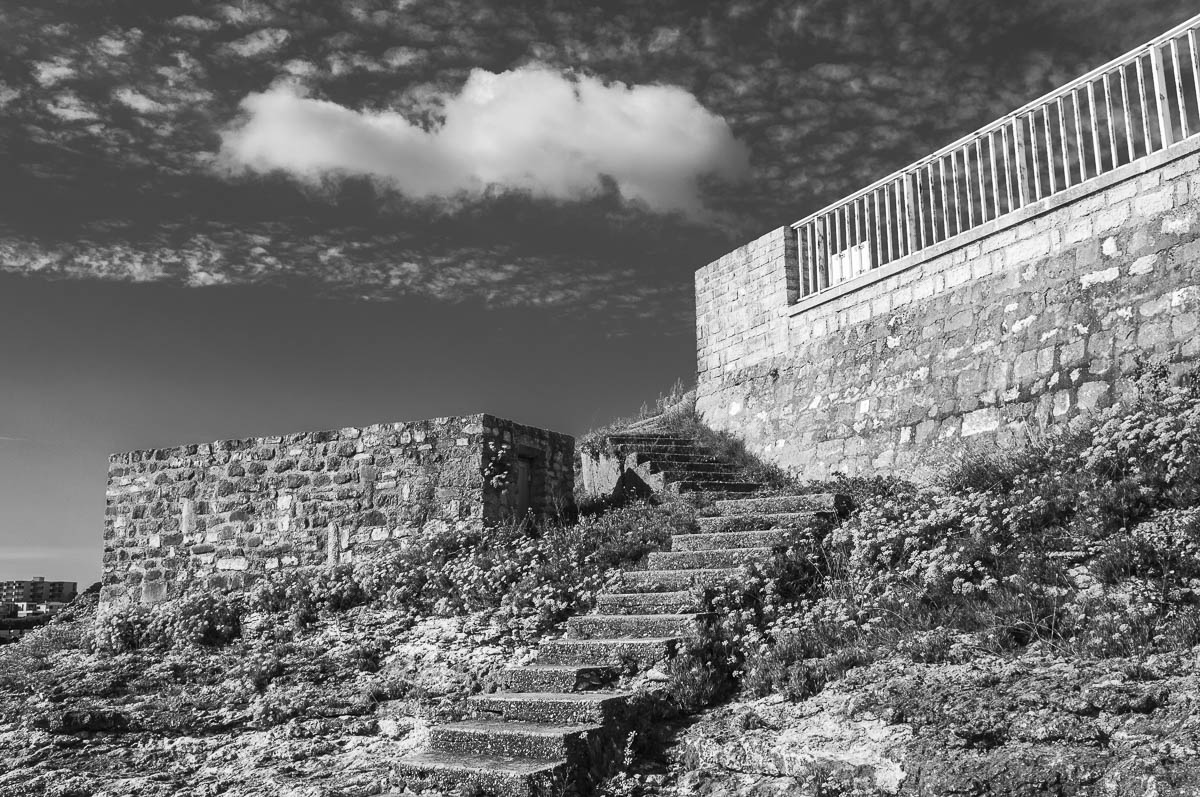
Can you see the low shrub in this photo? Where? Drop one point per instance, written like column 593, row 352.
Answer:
column 196, row 618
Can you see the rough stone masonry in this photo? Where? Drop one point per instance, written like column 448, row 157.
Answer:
column 220, row 515
column 1030, row 322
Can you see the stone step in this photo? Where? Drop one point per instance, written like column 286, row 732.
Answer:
column 657, row 446
column 517, row 739
column 642, row 652
column 555, row 708
column 697, row 456
column 711, row 487
column 502, row 775
column 777, row 504
column 650, row 437
column 764, row 538
column 756, row 522
column 672, row 580
column 706, row 560
column 557, row 678
column 609, row 626
column 645, row 602
column 694, row 469
column 672, row 476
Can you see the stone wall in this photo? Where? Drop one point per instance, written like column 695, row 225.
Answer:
column 221, row 514
column 1026, row 322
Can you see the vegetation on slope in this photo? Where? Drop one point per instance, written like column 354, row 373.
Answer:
column 1086, row 543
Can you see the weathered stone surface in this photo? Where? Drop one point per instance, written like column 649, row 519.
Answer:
column 991, row 725
column 1024, row 327
column 227, row 512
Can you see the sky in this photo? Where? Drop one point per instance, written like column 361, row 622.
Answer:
column 229, row 219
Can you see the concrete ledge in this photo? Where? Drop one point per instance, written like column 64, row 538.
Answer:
column 1063, row 198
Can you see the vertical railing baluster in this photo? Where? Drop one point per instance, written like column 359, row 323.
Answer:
column 1183, row 114
column 1161, row 99
column 1020, row 152
column 1034, row 148
column 1125, row 112
column 945, row 198
column 1050, row 158
column 1144, row 108
column 1096, row 157
column 910, row 216
column 957, row 205
column 839, row 219
column 805, row 261
column 807, row 272
column 1062, row 142
column 879, row 231
column 1195, row 58
column 995, row 179
column 887, row 211
column 920, row 210
column 966, row 184
column 980, row 175
column 863, row 234
column 1108, row 119
column 1079, row 141
column 1008, row 174
column 852, row 239
column 823, row 282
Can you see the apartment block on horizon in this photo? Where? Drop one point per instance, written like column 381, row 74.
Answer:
column 38, row 590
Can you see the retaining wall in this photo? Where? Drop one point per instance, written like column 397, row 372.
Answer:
column 1025, row 322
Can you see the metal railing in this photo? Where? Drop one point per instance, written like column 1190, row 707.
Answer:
column 1121, row 112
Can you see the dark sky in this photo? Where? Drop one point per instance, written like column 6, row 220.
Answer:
column 246, row 218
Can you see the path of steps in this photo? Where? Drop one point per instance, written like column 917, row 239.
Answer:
column 559, row 726
column 682, row 464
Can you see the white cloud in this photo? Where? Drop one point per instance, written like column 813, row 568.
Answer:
column 70, row 108
column 137, row 101
column 529, row 129
column 189, row 22
column 261, row 42
column 48, row 73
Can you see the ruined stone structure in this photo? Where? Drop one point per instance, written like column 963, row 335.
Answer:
column 1022, row 322
column 222, row 514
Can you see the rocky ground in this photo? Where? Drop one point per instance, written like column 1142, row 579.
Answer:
column 322, row 715
column 1033, row 725
column 326, row 713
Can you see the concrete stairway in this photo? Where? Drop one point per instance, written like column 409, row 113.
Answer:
column 560, row 725
column 679, row 463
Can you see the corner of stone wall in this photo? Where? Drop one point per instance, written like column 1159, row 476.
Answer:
column 741, row 313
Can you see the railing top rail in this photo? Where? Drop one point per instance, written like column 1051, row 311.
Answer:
column 1119, row 61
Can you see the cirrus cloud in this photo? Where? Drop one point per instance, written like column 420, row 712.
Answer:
column 530, row 129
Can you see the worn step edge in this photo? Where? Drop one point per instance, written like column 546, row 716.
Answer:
column 547, row 741
column 755, row 538
column 510, row 775
column 616, row 652
column 756, row 521
column 710, row 559
column 640, row 602
column 558, row 677
column 775, row 504
column 711, row 486
column 607, row 626
column 673, row 580
column 552, row 707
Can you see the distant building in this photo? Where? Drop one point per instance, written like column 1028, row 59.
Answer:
column 37, row 590
column 48, row 608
